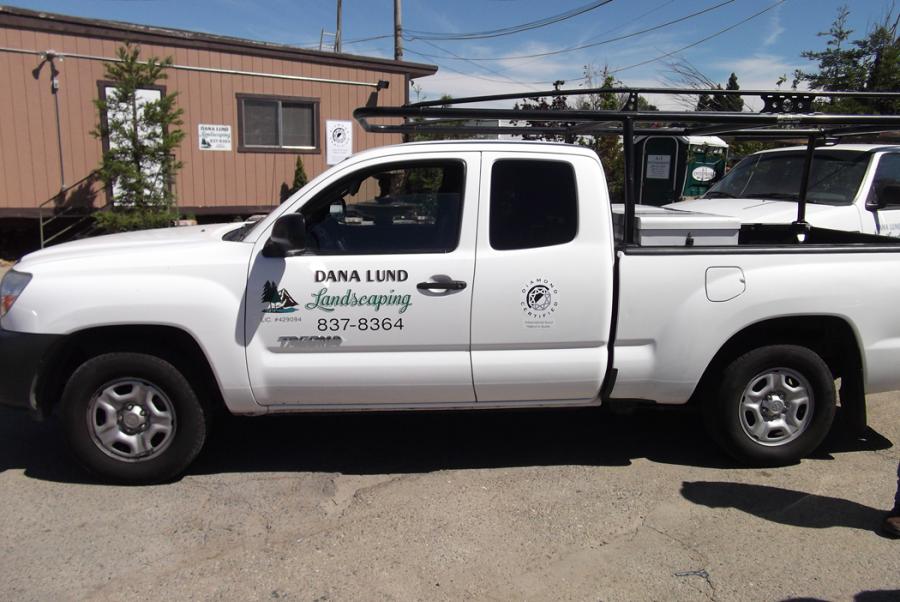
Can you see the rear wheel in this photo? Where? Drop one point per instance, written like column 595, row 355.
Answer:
column 133, row 418
column 774, row 406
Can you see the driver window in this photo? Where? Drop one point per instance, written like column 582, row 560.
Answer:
column 396, row 208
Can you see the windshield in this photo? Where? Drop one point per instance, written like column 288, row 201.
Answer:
column 834, row 179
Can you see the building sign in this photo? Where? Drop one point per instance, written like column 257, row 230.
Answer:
column 338, row 140
column 214, row 137
column 658, row 167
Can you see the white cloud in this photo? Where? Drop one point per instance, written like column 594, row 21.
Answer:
column 776, row 28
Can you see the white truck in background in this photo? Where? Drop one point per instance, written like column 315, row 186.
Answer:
column 852, row 187
column 446, row 275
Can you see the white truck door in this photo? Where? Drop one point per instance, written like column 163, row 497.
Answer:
column 543, row 293
column 353, row 320
column 884, row 195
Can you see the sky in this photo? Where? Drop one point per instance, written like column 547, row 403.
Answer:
column 758, row 48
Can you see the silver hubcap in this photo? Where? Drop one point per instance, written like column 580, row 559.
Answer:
column 776, row 406
column 131, row 420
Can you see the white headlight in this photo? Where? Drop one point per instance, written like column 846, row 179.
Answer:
column 12, row 286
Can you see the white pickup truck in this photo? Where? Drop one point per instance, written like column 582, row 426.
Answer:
column 854, row 187
column 445, row 275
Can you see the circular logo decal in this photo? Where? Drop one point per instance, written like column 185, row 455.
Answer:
column 339, row 135
column 704, row 173
column 540, row 298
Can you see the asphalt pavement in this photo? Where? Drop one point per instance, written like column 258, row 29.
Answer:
column 533, row 505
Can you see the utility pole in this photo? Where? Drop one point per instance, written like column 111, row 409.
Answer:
column 337, row 36
column 398, row 33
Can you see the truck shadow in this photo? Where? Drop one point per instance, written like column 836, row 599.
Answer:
column 390, row 443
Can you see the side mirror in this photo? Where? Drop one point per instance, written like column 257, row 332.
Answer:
column 885, row 195
column 288, row 236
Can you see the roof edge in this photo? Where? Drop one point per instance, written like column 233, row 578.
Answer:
column 14, row 16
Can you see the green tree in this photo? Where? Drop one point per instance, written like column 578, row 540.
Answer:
column 722, row 102
column 840, row 64
column 300, row 178
column 870, row 63
column 139, row 164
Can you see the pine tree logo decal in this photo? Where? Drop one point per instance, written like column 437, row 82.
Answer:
column 280, row 301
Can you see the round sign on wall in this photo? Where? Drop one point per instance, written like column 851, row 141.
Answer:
column 704, row 173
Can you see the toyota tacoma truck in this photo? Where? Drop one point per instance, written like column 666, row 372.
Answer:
column 454, row 275
column 854, row 187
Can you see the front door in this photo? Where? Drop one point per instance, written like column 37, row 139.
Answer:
column 377, row 310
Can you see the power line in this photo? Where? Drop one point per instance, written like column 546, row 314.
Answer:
column 698, row 42
column 507, row 80
column 592, row 44
column 369, row 39
column 505, row 31
column 489, row 70
column 641, row 63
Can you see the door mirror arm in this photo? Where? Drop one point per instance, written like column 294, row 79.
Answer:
column 288, row 237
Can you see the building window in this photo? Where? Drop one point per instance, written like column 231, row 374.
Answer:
column 278, row 124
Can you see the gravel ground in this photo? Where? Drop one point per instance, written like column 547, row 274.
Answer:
column 553, row 505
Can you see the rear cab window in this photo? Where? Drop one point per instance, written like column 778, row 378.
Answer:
column 534, row 203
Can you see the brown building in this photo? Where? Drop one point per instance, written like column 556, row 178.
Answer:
column 250, row 108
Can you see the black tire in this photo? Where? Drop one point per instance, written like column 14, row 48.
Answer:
column 723, row 415
column 189, row 418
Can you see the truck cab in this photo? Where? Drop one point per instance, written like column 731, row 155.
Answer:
column 852, row 187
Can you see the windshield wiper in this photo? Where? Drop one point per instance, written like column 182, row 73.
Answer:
column 718, row 194
column 239, row 233
column 787, row 196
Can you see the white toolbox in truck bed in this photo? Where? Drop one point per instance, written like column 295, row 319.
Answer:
column 661, row 227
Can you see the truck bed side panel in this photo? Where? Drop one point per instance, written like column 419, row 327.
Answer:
column 669, row 330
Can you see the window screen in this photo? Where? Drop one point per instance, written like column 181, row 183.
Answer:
column 297, row 121
column 399, row 208
column 533, row 204
column 275, row 123
column 260, row 123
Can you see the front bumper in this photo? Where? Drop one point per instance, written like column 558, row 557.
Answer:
column 22, row 357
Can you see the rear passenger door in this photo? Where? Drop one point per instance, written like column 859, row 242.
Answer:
column 542, row 300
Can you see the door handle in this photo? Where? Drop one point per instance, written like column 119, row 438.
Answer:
column 449, row 285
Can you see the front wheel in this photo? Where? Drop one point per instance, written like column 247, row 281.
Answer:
column 774, row 406
column 131, row 417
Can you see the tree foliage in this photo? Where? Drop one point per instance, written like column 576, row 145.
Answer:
column 608, row 148
column 722, row 102
column 139, row 164
column 300, row 178
column 869, row 63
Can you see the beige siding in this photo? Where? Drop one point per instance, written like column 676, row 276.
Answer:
column 209, row 181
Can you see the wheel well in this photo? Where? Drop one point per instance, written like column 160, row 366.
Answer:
column 830, row 337
column 167, row 342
